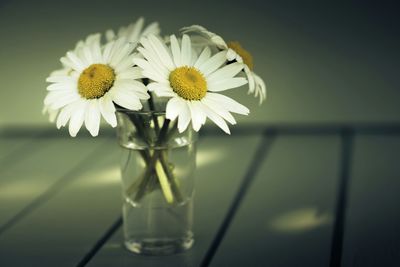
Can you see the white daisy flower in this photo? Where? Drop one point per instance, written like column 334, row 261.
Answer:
column 134, row 31
column 192, row 81
column 235, row 52
column 98, row 77
column 66, row 70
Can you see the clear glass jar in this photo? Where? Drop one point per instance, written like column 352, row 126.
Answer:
column 157, row 168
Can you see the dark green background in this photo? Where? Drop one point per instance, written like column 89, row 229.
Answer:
column 322, row 61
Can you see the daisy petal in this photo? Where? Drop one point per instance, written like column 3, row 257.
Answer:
column 87, row 54
column 110, row 35
column 107, row 52
column 96, row 52
column 127, row 99
column 173, row 109
column 250, row 78
column 153, row 76
column 186, row 50
column 61, row 79
column 67, row 63
column 230, row 104
column 54, row 97
column 226, row 72
column 232, row 55
column 165, row 94
column 119, row 54
column 200, row 30
column 162, row 52
column 77, row 118
column 131, row 73
column 160, row 88
column 135, row 87
column 222, row 85
column 204, row 56
column 65, row 100
column 176, row 53
column 194, row 57
column 198, row 117
column 184, row 117
column 76, row 63
column 213, row 63
column 65, row 115
column 107, row 110
column 53, row 113
column 219, row 109
column 152, row 28
column 136, row 29
column 92, row 117
column 149, row 65
column 151, row 55
column 216, row 119
column 261, row 87
column 60, row 72
column 125, row 64
column 60, row 86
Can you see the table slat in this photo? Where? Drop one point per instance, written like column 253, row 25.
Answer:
column 286, row 216
column 372, row 229
column 10, row 146
column 63, row 229
column 41, row 166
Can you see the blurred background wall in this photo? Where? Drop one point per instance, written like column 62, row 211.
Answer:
column 322, row 61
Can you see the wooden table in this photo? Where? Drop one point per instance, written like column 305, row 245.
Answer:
column 300, row 195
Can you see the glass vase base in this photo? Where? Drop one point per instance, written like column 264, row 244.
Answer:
column 159, row 246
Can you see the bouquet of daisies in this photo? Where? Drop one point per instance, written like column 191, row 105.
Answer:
column 135, row 68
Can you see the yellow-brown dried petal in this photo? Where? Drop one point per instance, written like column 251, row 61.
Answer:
column 243, row 53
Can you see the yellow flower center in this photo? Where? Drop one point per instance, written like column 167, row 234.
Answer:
column 95, row 81
column 188, row 83
column 246, row 56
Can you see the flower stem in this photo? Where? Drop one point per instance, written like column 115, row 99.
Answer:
column 157, row 163
column 152, row 108
column 165, row 185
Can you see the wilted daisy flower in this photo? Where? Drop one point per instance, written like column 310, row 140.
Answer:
column 193, row 82
column 98, row 77
column 134, row 31
column 235, row 52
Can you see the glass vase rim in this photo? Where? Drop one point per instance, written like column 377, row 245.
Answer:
column 141, row 112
